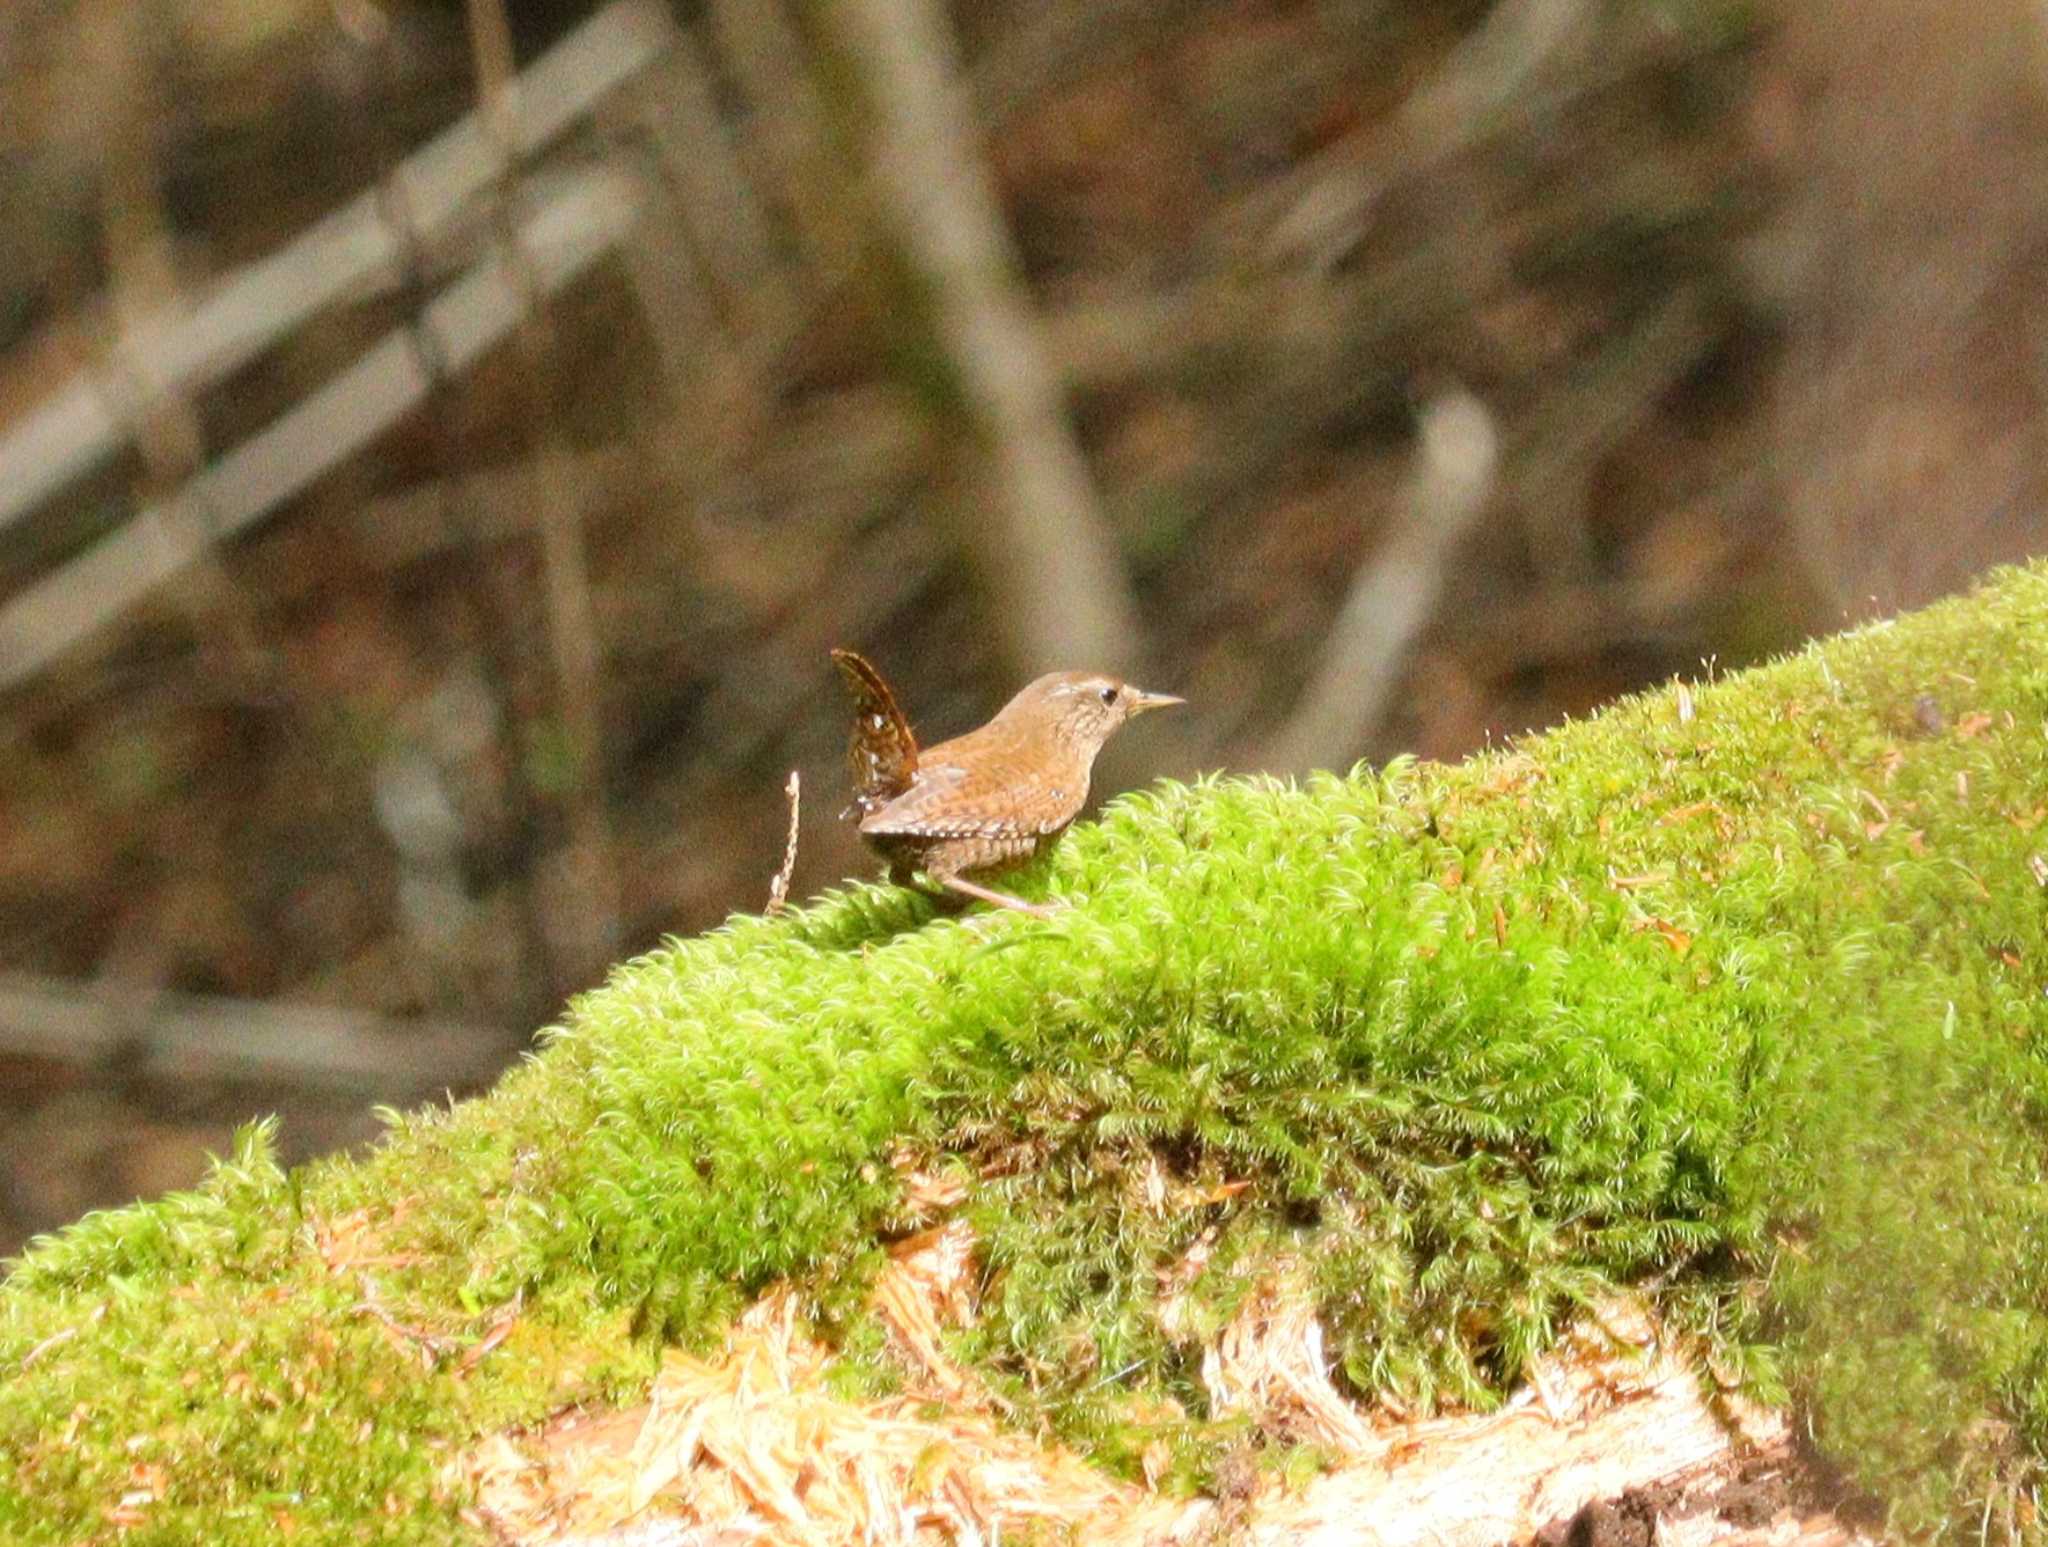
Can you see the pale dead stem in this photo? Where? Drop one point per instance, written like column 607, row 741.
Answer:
column 60, row 1337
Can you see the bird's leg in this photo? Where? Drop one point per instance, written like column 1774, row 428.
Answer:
column 903, row 872
column 944, row 862
column 967, row 888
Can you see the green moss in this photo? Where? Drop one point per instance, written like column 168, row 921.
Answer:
column 1746, row 1007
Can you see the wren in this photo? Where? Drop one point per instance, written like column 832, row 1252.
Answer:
column 987, row 801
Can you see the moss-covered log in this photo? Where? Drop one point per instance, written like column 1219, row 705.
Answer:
column 1734, row 995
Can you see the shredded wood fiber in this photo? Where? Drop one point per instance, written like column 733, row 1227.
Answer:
column 752, row 1446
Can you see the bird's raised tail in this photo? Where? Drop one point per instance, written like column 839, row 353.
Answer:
column 881, row 753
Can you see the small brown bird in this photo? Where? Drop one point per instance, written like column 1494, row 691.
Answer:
column 991, row 799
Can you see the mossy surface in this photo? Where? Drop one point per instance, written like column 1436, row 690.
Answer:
column 1744, row 1005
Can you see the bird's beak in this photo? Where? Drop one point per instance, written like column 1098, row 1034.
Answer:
column 1140, row 701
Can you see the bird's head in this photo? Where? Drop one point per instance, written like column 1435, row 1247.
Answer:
column 1085, row 708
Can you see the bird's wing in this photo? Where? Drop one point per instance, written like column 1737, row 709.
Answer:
column 942, row 802
column 881, row 753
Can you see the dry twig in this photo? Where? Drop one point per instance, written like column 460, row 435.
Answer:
column 431, row 1347
column 778, row 888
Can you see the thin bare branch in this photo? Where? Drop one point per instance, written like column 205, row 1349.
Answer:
column 190, row 1034
column 1559, row 445
column 588, row 913
column 563, row 236
column 1390, row 601
column 1483, row 85
column 363, row 244
column 790, row 137
column 1055, row 586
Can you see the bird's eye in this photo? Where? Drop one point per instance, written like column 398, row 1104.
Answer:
column 1109, row 695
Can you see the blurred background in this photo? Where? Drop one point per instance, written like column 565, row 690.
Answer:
column 440, row 441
